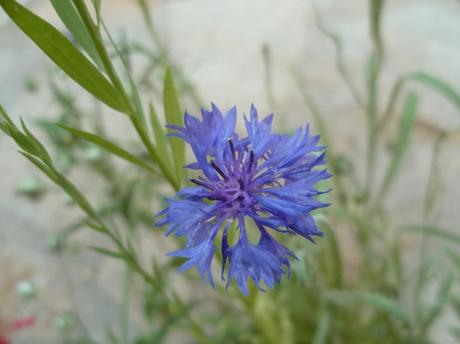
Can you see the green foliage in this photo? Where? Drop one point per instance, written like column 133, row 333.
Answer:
column 73, row 23
column 64, row 54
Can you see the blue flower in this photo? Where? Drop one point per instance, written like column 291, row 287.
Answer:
column 265, row 179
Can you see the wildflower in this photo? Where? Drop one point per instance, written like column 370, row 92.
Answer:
column 264, row 178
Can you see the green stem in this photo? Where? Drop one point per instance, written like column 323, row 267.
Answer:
column 96, row 36
column 423, row 256
column 376, row 62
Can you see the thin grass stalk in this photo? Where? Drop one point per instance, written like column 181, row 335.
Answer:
column 375, row 67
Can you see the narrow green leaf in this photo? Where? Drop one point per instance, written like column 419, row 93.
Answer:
column 109, row 146
column 159, row 134
column 98, row 8
column 5, row 116
column 433, row 231
column 10, row 129
column 173, row 115
column 28, row 142
column 38, row 145
column 378, row 301
column 405, row 128
column 438, row 85
column 107, row 252
column 75, row 194
column 62, row 52
column 72, row 21
column 375, row 15
column 40, row 165
column 431, row 81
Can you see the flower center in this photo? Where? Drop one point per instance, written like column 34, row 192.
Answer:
column 233, row 190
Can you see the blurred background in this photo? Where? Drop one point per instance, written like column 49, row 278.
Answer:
column 267, row 52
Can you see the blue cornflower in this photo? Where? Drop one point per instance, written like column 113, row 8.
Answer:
column 264, row 178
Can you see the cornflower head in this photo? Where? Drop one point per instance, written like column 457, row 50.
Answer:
column 264, row 178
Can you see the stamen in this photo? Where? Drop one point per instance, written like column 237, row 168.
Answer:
column 251, row 160
column 218, row 170
column 232, row 149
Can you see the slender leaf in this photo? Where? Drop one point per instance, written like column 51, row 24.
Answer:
column 109, row 146
column 38, row 145
column 62, row 52
column 98, row 8
column 40, row 165
column 72, row 21
column 431, row 81
column 405, row 128
column 107, row 252
column 173, row 115
column 375, row 15
column 5, row 116
column 438, row 85
column 75, row 194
